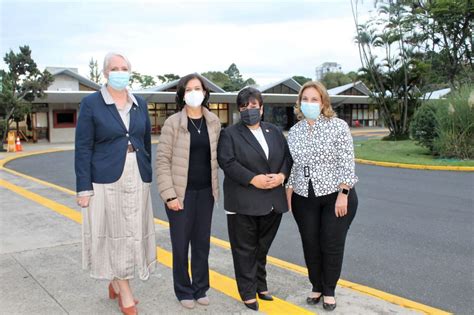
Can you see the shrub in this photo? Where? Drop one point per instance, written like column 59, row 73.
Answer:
column 455, row 125
column 423, row 127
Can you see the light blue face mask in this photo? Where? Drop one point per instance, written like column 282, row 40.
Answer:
column 311, row 110
column 118, row 80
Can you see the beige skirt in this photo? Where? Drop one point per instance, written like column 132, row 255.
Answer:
column 118, row 233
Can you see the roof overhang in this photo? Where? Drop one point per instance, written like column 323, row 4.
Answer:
column 169, row 97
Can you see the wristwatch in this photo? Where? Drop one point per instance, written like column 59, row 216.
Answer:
column 344, row 191
column 171, row 199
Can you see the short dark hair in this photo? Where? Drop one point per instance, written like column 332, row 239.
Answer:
column 181, row 89
column 247, row 94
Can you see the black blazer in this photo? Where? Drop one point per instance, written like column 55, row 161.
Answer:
column 241, row 158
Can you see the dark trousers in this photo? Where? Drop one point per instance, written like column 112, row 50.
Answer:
column 250, row 239
column 323, row 235
column 191, row 225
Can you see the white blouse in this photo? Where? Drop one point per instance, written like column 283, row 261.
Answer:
column 322, row 153
column 125, row 111
column 258, row 134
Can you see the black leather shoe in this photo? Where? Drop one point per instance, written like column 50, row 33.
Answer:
column 329, row 307
column 265, row 297
column 252, row 306
column 313, row 300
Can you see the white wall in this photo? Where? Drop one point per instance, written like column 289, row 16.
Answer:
column 61, row 135
column 64, row 83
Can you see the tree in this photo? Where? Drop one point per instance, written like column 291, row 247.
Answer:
column 249, row 82
column 334, row 79
column 20, row 86
column 141, row 80
column 147, row 81
column 236, row 81
column 169, row 77
column 353, row 76
column 446, row 37
column 301, row 79
column 94, row 73
column 229, row 80
column 218, row 77
column 396, row 77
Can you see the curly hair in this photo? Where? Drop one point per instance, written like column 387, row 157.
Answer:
column 326, row 108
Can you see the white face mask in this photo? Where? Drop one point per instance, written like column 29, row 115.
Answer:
column 194, row 98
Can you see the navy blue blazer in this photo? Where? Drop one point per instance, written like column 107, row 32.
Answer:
column 102, row 141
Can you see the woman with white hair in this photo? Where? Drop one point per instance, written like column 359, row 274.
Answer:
column 113, row 177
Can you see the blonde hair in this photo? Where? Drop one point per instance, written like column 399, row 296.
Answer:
column 326, row 108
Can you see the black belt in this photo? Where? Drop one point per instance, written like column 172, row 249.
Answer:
column 130, row 148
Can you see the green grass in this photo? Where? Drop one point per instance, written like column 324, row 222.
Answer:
column 405, row 151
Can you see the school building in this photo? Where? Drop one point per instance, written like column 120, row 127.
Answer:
column 54, row 118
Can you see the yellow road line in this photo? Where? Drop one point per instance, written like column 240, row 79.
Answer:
column 59, row 208
column 161, row 222
column 218, row 281
column 363, row 289
column 34, row 179
column 280, row 263
column 397, row 300
column 228, row 286
column 18, row 155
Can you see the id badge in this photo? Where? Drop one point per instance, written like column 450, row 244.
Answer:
column 306, row 171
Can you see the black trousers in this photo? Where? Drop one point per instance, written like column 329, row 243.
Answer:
column 250, row 239
column 192, row 225
column 323, row 235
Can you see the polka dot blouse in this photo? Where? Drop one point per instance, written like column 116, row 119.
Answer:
column 322, row 153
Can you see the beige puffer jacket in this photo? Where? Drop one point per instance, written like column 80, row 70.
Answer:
column 172, row 155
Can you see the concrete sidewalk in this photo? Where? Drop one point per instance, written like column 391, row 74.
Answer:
column 40, row 267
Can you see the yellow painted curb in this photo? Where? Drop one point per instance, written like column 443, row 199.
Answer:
column 369, row 132
column 417, row 166
column 224, row 244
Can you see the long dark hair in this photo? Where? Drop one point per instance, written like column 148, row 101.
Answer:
column 181, row 89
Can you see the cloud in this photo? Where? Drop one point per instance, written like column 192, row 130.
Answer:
column 267, row 40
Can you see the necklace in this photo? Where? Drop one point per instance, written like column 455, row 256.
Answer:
column 200, row 125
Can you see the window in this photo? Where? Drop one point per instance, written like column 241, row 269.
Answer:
column 158, row 113
column 221, row 110
column 365, row 114
column 64, row 118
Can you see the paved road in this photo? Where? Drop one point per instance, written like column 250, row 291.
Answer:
column 412, row 235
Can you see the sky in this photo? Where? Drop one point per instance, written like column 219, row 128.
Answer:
column 267, row 40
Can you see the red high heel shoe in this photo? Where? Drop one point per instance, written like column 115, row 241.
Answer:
column 131, row 310
column 113, row 295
